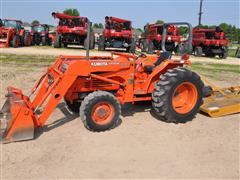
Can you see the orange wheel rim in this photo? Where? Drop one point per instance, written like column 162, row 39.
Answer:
column 102, row 113
column 184, row 97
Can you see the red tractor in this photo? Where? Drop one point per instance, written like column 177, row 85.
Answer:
column 12, row 33
column 117, row 34
column 40, row 34
column 152, row 38
column 211, row 42
column 72, row 30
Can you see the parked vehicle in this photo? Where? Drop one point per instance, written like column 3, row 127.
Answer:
column 152, row 38
column 210, row 42
column 72, row 30
column 40, row 34
column 117, row 34
column 12, row 33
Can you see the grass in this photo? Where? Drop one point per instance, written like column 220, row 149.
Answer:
column 27, row 59
column 232, row 48
column 217, row 71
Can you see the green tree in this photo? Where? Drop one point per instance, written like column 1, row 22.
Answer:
column 100, row 25
column 159, row 22
column 35, row 22
column 139, row 29
column 95, row 25
column 71, row 12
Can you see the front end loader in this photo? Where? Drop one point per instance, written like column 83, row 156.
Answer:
column 97, row 86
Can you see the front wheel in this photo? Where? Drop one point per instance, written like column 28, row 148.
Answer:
column 44, row 41
column 27, row 39
column 178, row 95
column 58, row 42
column 100, row 111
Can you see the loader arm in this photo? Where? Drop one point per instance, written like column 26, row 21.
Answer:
column 20, row 115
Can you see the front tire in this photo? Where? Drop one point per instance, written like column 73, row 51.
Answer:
column 198, row 51
column 44, row 41
column 58, row 42
column 178, row 95
column 27, row 39
column 100, row 111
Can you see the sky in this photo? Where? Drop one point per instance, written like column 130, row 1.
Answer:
column 138, row 11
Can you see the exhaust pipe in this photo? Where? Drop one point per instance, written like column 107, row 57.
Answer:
column 89, row 24
column 164, row 35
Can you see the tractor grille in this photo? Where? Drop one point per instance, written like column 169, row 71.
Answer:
column 96, row 84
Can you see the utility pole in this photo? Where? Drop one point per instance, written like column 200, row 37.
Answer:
column 200, row 13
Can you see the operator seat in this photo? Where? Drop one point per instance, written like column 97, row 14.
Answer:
column 163, row 56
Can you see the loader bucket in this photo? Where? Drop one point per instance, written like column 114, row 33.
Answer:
column 222, row 102
column 16, row 117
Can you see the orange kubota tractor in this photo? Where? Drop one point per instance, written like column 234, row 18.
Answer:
column 12, row 33
column 97, row 86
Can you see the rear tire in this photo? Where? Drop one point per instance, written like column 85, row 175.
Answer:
column 198, row 51
column 100, row 111
column 224, row 54
column 58, row 42
column 178, row 95
column 15, row 41
column 132, row 47
column 143, row 45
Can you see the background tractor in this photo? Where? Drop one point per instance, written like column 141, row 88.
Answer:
column 210, row 42
column 152, row 38
column 40, row 34
column 12, row 33
column 97, row 86
column 117, row 34
column 72, row 30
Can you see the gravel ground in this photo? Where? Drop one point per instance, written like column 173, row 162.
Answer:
column 140, row 147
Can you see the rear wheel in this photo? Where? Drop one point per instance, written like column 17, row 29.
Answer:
column 224, row 53
column 100, row 111
column 198, row 51
column 58, row 42
column 15, row 41
column 132, row 47
column 178, row 95
column 143, row 45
